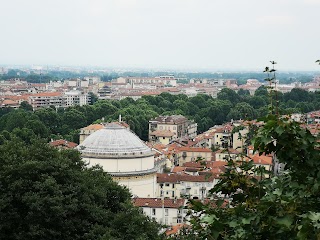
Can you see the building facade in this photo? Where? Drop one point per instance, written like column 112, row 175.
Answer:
column 176, row 125
column 165, row 211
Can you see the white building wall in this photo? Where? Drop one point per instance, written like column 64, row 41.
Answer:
column 122, row 164
column 167, row 216
column 196, row 190
column 168, row 190
column 141, row 186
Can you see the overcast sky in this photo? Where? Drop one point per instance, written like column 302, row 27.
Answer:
column 195, row 34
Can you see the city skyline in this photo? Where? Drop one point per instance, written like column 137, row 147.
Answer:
column 209, row 35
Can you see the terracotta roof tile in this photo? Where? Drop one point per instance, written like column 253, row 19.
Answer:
column 93, row 127
column 47, row 94
column 63, row 143
column 194, row 149
column 176, row 178
column 162, row 133
column 158, row 202
column 176, row 229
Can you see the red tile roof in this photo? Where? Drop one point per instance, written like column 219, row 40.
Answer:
column 176, row 229
column 93, row 127
column 194, row 149
column 63, row 143
column 158, row 202
column 263, row 160
column 162, row 133
column 176, row 178
column 47, row 94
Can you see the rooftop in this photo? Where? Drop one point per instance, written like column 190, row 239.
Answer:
column 158, row 202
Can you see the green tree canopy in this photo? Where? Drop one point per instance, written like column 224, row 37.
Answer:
column 50, row 194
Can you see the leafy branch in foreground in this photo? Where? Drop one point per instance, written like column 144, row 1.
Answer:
column 255, row 204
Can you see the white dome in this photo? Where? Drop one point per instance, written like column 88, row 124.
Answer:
column 114, row 141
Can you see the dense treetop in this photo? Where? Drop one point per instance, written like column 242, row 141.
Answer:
column 50, row 194
column 203, row 109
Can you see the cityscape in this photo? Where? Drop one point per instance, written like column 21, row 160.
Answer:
column 135, row 119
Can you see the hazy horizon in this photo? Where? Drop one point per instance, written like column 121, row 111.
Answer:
column 198, row 35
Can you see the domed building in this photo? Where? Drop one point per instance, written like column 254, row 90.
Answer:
column 124, row 156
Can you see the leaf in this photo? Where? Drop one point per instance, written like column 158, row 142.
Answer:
column 277, row 192
column 233, row 224
column 285, row 221
column 314, row 216
column 209, row 219
column 247, row 220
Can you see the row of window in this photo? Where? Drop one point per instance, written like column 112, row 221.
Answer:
column 166, row 184
column 165, row 128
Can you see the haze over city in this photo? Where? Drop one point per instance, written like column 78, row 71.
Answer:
column 181, row 34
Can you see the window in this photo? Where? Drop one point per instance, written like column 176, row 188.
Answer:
column 172, row 185
column 172, row 193
column 161, row 185
column 153, row 211
column 179, row 220
column 161, row 193
column 166, row 212
column 167, row 184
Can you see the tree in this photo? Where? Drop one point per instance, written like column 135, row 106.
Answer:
column 243, row 92
column 228, row 94
column 297, row 95
column 261, row 91
column 254, row 203
column 74, row 119
column 282, row 206
column 50, row 194
column 242, row 110
column 93, row 98
column 26, row 106
column 50, row 118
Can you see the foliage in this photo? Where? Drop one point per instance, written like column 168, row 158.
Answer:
column 50, row 194
column 253, row 203
column 26, row 106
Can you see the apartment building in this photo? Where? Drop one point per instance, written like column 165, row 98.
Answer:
column 58, row 99
column 190, row 154
column 169, row 212
column 160, row 81
column 178, row 125
column 46, row 99
column 75, row 97
column 176, row 185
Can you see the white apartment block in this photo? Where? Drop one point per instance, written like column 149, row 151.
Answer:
column 177, row 185
column 46, row 99
column 75, row 97
column 169, row 212
column 58, row 99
